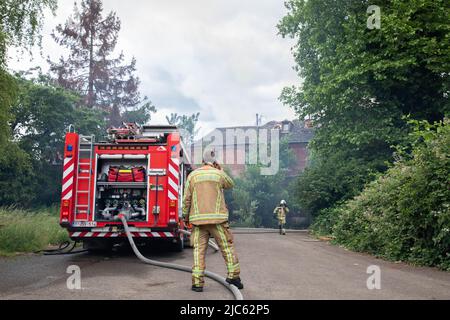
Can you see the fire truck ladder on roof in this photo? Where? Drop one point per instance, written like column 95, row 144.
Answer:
column 85, row 146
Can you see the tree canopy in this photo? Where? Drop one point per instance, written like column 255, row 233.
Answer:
column 20, row 23
column 359, row 84
column 40, row 117
column 103, row 80
column 187, row 124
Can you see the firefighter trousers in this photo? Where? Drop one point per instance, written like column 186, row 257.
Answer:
column 281, row 223
column 199, row 240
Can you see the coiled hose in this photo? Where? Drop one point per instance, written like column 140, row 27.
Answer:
column 234, row 290
column 62, row 249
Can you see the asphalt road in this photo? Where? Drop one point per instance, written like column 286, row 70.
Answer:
column 294, row 266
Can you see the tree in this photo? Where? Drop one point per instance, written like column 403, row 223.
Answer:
column 187, row 124
column 254, row 196
column 20, row 23
column 140, row 115
column 104, row 81
column 333, row 179
column 359, row 84
column 17, row 177
column 41, row 117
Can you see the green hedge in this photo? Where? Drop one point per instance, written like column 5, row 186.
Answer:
column 405, row 213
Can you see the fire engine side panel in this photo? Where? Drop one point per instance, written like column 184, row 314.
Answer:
column 69, row 179
column 173, row 176
column 158, row 160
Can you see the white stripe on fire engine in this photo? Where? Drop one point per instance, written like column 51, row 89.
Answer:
column 173, row 184
column 156, row 234
column 76, row 234
column 68, row 171
column 172, row 196
column 67, row 184
column 173, row 170
column 68, row 195
column 176, row 161
column 169, row 234
column 66, row 161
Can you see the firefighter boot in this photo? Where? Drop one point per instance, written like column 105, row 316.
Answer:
column 197, row 289
column 236, row 282
column 281, row 229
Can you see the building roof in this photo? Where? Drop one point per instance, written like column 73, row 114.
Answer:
column 297, row 133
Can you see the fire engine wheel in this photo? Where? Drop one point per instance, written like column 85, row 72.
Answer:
column 186, row 241
column 179, row 245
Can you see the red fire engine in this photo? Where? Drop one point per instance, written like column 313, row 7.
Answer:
column 139, row 172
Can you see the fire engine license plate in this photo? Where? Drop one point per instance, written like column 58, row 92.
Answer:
column 84, row 224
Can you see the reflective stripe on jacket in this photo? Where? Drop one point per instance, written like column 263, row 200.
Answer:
column 203, row 201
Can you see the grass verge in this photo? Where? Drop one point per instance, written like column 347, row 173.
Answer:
column 23, row 231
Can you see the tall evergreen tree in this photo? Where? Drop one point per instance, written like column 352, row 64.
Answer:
column 104, row 81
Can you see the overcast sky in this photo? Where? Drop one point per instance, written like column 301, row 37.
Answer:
column 223, row 59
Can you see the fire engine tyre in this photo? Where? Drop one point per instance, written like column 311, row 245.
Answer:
column 179, row 245
column 186, row 240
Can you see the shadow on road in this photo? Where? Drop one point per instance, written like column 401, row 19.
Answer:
column 156, row 250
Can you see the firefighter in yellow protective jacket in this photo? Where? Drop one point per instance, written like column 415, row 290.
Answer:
column 204, row 207
column 280, row 213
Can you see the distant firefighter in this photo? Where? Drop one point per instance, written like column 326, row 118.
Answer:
column 280, row 213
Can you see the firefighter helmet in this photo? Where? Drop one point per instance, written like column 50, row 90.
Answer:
column 209, row 157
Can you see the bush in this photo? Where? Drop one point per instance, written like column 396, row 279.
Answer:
column 334, row 178
column 25, row 231
column 325, row 220
column 405, row 213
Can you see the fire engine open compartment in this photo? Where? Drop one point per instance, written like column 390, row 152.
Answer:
column 114, row 196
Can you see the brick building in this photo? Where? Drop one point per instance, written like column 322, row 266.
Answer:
column 237, row 151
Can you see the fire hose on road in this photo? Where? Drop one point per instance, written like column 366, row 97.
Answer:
column 234, row 290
